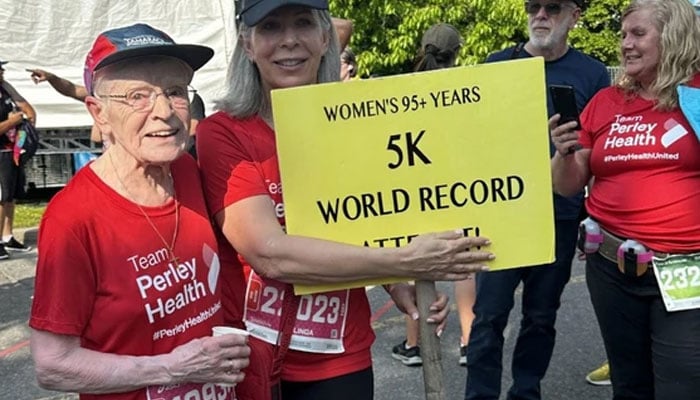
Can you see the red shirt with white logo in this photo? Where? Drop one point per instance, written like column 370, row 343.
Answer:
column 104, row 275
column 333, row 336
column 646, row 168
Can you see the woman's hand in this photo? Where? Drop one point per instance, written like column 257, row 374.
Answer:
column 564, row 137
column 444, row 256
column 217, row 359
column 404, row 296
column 15, row 117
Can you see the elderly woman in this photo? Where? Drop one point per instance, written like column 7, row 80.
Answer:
column 283, row 46
column 127, row 285
column 644, row 159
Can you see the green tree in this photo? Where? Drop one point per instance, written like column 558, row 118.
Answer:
column 598, row 33
column 387, row 33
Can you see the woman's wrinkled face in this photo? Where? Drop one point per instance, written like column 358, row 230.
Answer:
column 287, row 47
column 156, row 134
column 640, row 46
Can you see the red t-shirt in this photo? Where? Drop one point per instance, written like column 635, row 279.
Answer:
column 238, row 160
column 646, row 168
column 104, row 275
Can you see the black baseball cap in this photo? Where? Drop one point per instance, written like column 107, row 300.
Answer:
column 253, row 11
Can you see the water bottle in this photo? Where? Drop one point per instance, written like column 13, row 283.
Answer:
column 592, row 237
column 633, row 257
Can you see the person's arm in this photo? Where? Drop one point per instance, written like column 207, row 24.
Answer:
column 27, row 111
column 252, row 228
column 62, row 86
column 62, row 364
column 21, row 103
column 570, row 170
column 343, row 28
column 13, row 118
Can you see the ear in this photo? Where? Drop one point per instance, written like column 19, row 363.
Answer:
column 576, row 16
column 248, row 47
column 97, row 110
column 326, row 41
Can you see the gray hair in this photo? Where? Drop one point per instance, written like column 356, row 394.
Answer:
column 245, row 95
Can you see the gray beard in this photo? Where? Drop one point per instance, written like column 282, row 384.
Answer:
column 543, row 44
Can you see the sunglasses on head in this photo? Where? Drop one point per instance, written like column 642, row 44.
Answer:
column 549, row 8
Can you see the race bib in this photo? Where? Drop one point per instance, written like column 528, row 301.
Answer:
column 191, row 391
column 678, row 277
column 320, row 321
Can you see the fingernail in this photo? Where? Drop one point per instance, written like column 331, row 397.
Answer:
column 439, row 333
column 491, row 256
column 433, row 308
column 414, row 316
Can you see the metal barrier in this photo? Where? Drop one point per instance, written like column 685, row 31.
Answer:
column 53, row 165
column 614, row 72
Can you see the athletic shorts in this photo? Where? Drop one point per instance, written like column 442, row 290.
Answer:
column 12, row 178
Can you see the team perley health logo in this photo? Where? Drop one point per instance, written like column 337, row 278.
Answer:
column 156, row 289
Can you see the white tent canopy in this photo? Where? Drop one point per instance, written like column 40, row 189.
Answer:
column 55, row 35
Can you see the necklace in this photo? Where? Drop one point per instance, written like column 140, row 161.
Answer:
column 171, row 253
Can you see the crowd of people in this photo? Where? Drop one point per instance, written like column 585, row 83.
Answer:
column 165, row 247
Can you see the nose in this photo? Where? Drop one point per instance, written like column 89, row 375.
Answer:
column 291, row 37
column 162, row 106
column 541, row 13
column 626, row 43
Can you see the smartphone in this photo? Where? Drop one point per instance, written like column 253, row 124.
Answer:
column 564, row 101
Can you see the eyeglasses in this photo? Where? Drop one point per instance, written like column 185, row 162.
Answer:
column 143, row 99
column 549, row 8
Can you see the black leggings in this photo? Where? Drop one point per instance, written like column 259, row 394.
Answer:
column 355, row 386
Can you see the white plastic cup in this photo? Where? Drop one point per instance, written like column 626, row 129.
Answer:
column 228, row 330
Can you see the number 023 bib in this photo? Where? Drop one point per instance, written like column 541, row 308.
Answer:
column 320, row 321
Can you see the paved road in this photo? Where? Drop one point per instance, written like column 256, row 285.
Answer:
column 578, row 346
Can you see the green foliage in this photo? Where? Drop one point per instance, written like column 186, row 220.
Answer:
column 598, row 33
column 387, row 33
column 28, row 214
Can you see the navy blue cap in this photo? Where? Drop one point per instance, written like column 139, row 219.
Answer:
column 136, row 41
column 253, row 11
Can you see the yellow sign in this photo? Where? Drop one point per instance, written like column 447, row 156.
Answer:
column 376, row 162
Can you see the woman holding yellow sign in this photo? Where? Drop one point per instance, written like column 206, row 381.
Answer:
column 329, row 338
column 643, row 266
